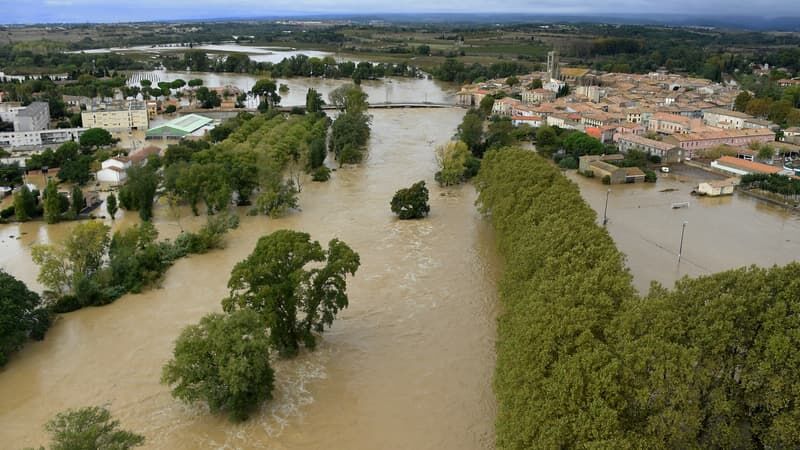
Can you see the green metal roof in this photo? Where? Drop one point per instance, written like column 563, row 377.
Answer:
column 181, row 126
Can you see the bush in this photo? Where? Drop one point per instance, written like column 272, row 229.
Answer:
column 655, row 159
column 321, row 173
column 412, row 202
column 606, row 179
column 568, row 162
column 650, row 176
column 170, row 109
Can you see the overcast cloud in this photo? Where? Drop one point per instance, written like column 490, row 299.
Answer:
column 26, row 11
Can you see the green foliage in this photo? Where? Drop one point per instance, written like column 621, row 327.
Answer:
column 349, row 98
column 321, row 174
column 570, row 162
column 223, row 361
column 267, row 91
column 277, row 198
column 411, row 202
column 51, row 202
column 170, row 109
column 140, row 190
column 555, row 372
column 78, row 201
column 349, row 135
column 10, row 174
column 314, row 101
column 76, row 170
column 455, row 162
column 547, row 140
column 111, row 205
column 295, row 301
column 500, row 133
column 470, row 131
column 24, row 204
column 90, row 428
column 579, row 144
column 21, row 316
column 94, row 138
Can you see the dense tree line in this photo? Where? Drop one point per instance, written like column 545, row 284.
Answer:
column 788, row 187
column 249, row 164
column 454, row 70
column 44, row 56
column 294, row 66
column 92, row 268
column 583, row 361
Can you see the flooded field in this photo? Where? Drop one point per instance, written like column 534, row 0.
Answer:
column 407, row 366
column 721, row 233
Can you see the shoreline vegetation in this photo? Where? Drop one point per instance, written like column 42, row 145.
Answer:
column 583, row 360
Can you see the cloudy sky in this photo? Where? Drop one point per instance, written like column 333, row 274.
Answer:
column 27, row 11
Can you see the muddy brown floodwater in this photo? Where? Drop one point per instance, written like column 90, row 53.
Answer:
column 721, row 233
column 407, row 366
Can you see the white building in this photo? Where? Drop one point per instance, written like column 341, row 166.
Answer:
column 29, row 140
column 114, row 170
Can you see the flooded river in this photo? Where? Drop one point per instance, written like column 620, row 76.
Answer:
column 407, row 366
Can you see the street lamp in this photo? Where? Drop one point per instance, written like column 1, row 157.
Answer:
column 605, row 210
column 680, row 249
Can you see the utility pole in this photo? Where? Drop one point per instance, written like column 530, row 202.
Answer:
column 680, row 249
column 605, row 210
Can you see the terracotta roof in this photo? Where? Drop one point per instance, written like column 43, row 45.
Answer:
column 748, row 166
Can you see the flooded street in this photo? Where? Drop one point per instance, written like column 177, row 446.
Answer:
column 407, row 366
column 721, row 233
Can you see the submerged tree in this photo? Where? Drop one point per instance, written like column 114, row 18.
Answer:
column 296, row 301
column 412, row 202
column 21, row 315
column 223, row 361
column 90, row 428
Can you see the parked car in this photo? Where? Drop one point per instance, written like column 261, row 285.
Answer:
column 665, row 169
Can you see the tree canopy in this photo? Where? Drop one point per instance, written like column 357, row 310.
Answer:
column 295, row 300
column 22, row 315
column 223, row 361
column 411, row 202
column 90, row 428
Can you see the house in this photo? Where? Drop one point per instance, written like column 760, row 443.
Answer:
column 504, row 106
column 669, row 153
column 717, row 188
column 602, row 169
column 739, row 167
column 725, row 118
column 540, row 95
column 666, row 123
column 114, row 170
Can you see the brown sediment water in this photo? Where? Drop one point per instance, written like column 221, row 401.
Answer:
column 407, row 366
column 721, row 232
